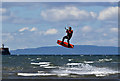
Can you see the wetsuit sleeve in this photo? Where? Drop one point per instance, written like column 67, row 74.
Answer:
column 72, row 31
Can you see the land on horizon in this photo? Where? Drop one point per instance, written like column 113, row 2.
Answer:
column 77, row 50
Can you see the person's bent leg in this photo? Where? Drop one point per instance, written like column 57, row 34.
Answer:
column 65, row 37
column 68, row 41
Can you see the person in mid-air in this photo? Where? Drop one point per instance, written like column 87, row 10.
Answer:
column 69, row 35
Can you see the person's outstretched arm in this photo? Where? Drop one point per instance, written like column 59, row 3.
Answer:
column 65, row 28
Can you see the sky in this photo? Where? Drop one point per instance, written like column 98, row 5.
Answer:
column 38, row 24
column 60, row 0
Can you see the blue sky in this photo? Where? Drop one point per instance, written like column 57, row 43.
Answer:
column 31, row 25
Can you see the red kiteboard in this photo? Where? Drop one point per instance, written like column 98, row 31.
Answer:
column 65, row 44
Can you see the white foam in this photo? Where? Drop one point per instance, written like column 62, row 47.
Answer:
column 89, row 62
column 38, row 58
column 73, row 64
column 40, row 71
column 85, row 69
column 50, row 67
column 70, row 59
column 40, row 63
column 62, row 75
column 32, row 59
column 29, row 58
column 44, row 65
column 35, row 74
column 71, row 69
column 34, row 67
column 103, row 60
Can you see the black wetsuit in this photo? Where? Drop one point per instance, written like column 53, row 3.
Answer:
column 68, row 37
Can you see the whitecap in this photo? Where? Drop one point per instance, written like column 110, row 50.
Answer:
column 40, row 71
column 44, row 65
column 40, row 63
column 103, row 60
column 50, row 67
column 61, row 75
column 32, row 59
column 89, row 62
column 38, row 58
column 73, row 63
column 35, row 74
column 70, row 59
column 85, row 69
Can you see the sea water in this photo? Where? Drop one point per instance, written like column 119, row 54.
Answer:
column 60, row 66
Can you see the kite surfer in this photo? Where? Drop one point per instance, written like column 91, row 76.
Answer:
column 68, row 36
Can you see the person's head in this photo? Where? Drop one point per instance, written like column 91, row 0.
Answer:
column 70, row 28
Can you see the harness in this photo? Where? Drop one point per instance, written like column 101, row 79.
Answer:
column 69, row 33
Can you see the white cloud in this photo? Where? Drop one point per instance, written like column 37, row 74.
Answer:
column 26, row 35
column 86, row 29
column 114, row 29
column 110, row 13
column 33, row 29
column 87, row 35
column 23, row 29
column 67, row 13
column 104, row 34
column 37, row 32
column 51, row 31
column 94, row 15
column 28, row 29
column 3, row 10
column 3, row 16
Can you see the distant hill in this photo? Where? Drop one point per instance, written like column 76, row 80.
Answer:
column 77, row 50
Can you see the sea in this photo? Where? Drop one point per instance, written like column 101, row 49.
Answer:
column 60, row 66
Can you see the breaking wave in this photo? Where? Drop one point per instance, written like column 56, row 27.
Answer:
column 85, row 69
column 71, row 69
